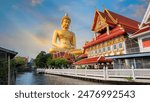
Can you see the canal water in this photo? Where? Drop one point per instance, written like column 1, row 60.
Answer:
column 31, row 78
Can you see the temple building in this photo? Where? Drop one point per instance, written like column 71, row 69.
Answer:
column 143, row 34
column 141, row 59
column 111, row 38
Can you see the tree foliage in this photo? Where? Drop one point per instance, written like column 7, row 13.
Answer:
column 19, row 61
column 50, row 62
column 60, row 62
column 44, row 60
column 41, row 59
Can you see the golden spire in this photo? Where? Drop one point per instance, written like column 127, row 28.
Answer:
column 65, row 17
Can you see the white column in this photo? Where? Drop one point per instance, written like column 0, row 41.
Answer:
column 133, row 73
column 104, row 72
column 76, row 69
column 85, row 70
column 134, row 63
column 107, row 30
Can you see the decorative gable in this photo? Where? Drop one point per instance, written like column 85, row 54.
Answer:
column 99, row 22
column 110, row 16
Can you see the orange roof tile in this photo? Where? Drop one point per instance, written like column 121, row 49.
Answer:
column 145, row 29
column 92, row 60
column 124, row 21
column 128, row 24
column 104, row 37
column 83, row 56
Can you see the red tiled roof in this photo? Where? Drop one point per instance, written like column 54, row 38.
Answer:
column 82, row 56
column 141, row 31
column 128, row 24
column 92, row 60
column 124, row 21
column 104, row 37
column 104, row 15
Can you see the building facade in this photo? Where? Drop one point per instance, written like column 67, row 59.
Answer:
column 6, row 71
column 138, row 54
column 143, row 34
column 111, row 37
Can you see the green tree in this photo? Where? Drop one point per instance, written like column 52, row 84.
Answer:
column 60, row 62
column 50, row 62
column 41, row 59
column 20, row 63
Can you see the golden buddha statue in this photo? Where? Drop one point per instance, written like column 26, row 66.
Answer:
column 66, row 38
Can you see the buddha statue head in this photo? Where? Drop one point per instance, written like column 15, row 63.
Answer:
column 65, row 22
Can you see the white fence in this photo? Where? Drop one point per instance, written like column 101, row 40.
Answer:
column 104, row 74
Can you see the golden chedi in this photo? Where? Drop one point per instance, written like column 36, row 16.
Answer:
column 64, row 40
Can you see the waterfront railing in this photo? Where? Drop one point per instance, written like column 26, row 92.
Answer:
column 102, row 74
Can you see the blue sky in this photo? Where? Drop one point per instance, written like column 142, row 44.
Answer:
column 26, row 26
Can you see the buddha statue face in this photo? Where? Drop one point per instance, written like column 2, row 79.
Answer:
column 65, row 22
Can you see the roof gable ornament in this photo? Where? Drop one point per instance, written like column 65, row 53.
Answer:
column 99, row 22
column 115, row 21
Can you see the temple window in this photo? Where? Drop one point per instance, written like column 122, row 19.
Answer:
column 99, row 50
column 108, row 48
column 114, row 46
column 120, row 45
column 95, row 51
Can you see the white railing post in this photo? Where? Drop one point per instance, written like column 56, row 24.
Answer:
column 69, row 69
column 85, row 71
column 133, row 72
column 76, row 70
column 104, row 72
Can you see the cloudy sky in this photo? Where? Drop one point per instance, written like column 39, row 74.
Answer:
column 26, row 26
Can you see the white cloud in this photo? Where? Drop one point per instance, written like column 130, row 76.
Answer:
column 139, row 10
column 29, row 43
column 135, row 11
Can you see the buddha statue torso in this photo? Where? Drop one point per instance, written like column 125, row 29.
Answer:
column 66, row 39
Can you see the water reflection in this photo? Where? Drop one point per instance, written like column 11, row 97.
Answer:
column 30, row 78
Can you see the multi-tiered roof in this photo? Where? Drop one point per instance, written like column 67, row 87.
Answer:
column 108, row 25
